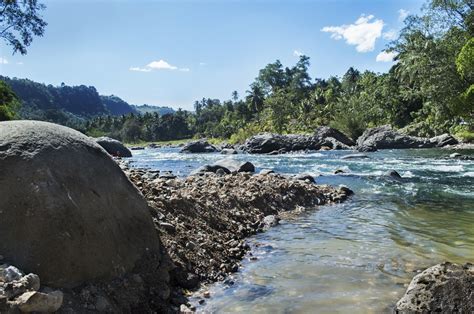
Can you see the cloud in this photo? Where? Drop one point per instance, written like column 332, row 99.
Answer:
column 297, row 53
column 202, row 63
column 161, row 65
column 19, row 63
column 362, row 34
column 403, row 14
column 158, row 65
column 3, row 61
column 385, row 56
column 138, row 69
column 390, row 35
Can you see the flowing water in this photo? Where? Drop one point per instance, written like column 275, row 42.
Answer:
column 355, row 257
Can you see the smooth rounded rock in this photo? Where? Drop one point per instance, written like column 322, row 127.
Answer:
column 67, row 211
column 113, row 147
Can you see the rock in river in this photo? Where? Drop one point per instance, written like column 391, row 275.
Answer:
column 67, row 211
column 443, row 288
column 200, row 146
column 113, row 147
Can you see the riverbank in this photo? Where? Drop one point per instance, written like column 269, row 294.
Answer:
column 203, row 220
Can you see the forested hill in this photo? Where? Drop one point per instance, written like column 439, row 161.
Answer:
column 70, row 105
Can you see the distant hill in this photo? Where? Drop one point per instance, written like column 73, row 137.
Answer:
column 150, row 109
column 71, row 105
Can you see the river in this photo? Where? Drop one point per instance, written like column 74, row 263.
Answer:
column 355, row 257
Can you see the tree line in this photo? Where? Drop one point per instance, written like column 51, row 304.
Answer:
column 429, row 90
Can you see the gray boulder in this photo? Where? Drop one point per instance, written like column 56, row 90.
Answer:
column 228, row 151
column 443, row 140
column 304, row 177
column 355, row 156
column 113, row 147
column 200, row 146
column 211, row 168
column 67, row 211
column 325, row 133
column 268, row 143
column 385, row 137
column 443, row 288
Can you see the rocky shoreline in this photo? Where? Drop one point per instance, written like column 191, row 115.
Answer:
column 203, row 220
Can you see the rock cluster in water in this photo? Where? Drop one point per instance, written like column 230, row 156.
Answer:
column 113, row 147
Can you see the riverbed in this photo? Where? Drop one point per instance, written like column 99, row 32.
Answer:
column 353, row 257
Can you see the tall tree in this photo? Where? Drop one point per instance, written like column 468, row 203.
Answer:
column 20, row 21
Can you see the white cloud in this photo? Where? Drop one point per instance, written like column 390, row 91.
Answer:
column 138, row 69
column 362, row 34
column 386, row 56
column 403, row 14
column 3, row 61
column 161, row 65
column 158, row 65
column 297, row 53
column 202, row 63
column 19, row 63
column 390, row 35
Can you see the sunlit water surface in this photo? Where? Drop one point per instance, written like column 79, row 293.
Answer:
column 354, row 257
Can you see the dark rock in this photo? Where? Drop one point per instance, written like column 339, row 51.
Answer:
column 113, row 147
column 338, row 171
column 228, row 151
column 200, row 146
column 393, row 174
column 444, row 288
column 366, row 148
column 355, row 156
column 384, row 137
column 137, row 148
column 235, row 165
column 274, row 143
column 443, row 140
column 81, row 218
column 211, row 168
column 304, row 177
column 324, row 133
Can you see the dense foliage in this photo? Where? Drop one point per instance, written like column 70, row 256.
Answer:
column 428, row 91
column 9, row 103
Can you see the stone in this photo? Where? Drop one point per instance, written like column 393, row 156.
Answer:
column 113, row 147
column 167, row 175
column 304, row 177
column 210, row 168
column 200, row 146
column 235, row 165
column 393, row 174
column 443, row 140
column 355, row 156
column 271, row 221
column 339, row 171
column 324, row 132
column 34, row 301
column 229, row 151
column 455, row 155
column 266, row 171
column 137, row 148
column 81, row 218
column 277, row 144
column 445, row 288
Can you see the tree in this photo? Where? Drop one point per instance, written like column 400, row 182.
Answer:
column 9, row 103
column 19, row 22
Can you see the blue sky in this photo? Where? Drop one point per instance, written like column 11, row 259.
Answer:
column 171, row 53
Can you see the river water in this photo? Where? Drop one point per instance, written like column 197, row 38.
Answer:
column 355, row 257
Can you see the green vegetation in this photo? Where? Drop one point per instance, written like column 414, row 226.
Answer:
column 429, row 90
column 9, row 103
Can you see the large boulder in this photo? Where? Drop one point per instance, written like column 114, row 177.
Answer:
column 113, row 147
column 67, row 211
column 200, row 146
column 443, row 288
column 385, row 137
column 268, row 143
column 443, row 140
column 335, row 137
